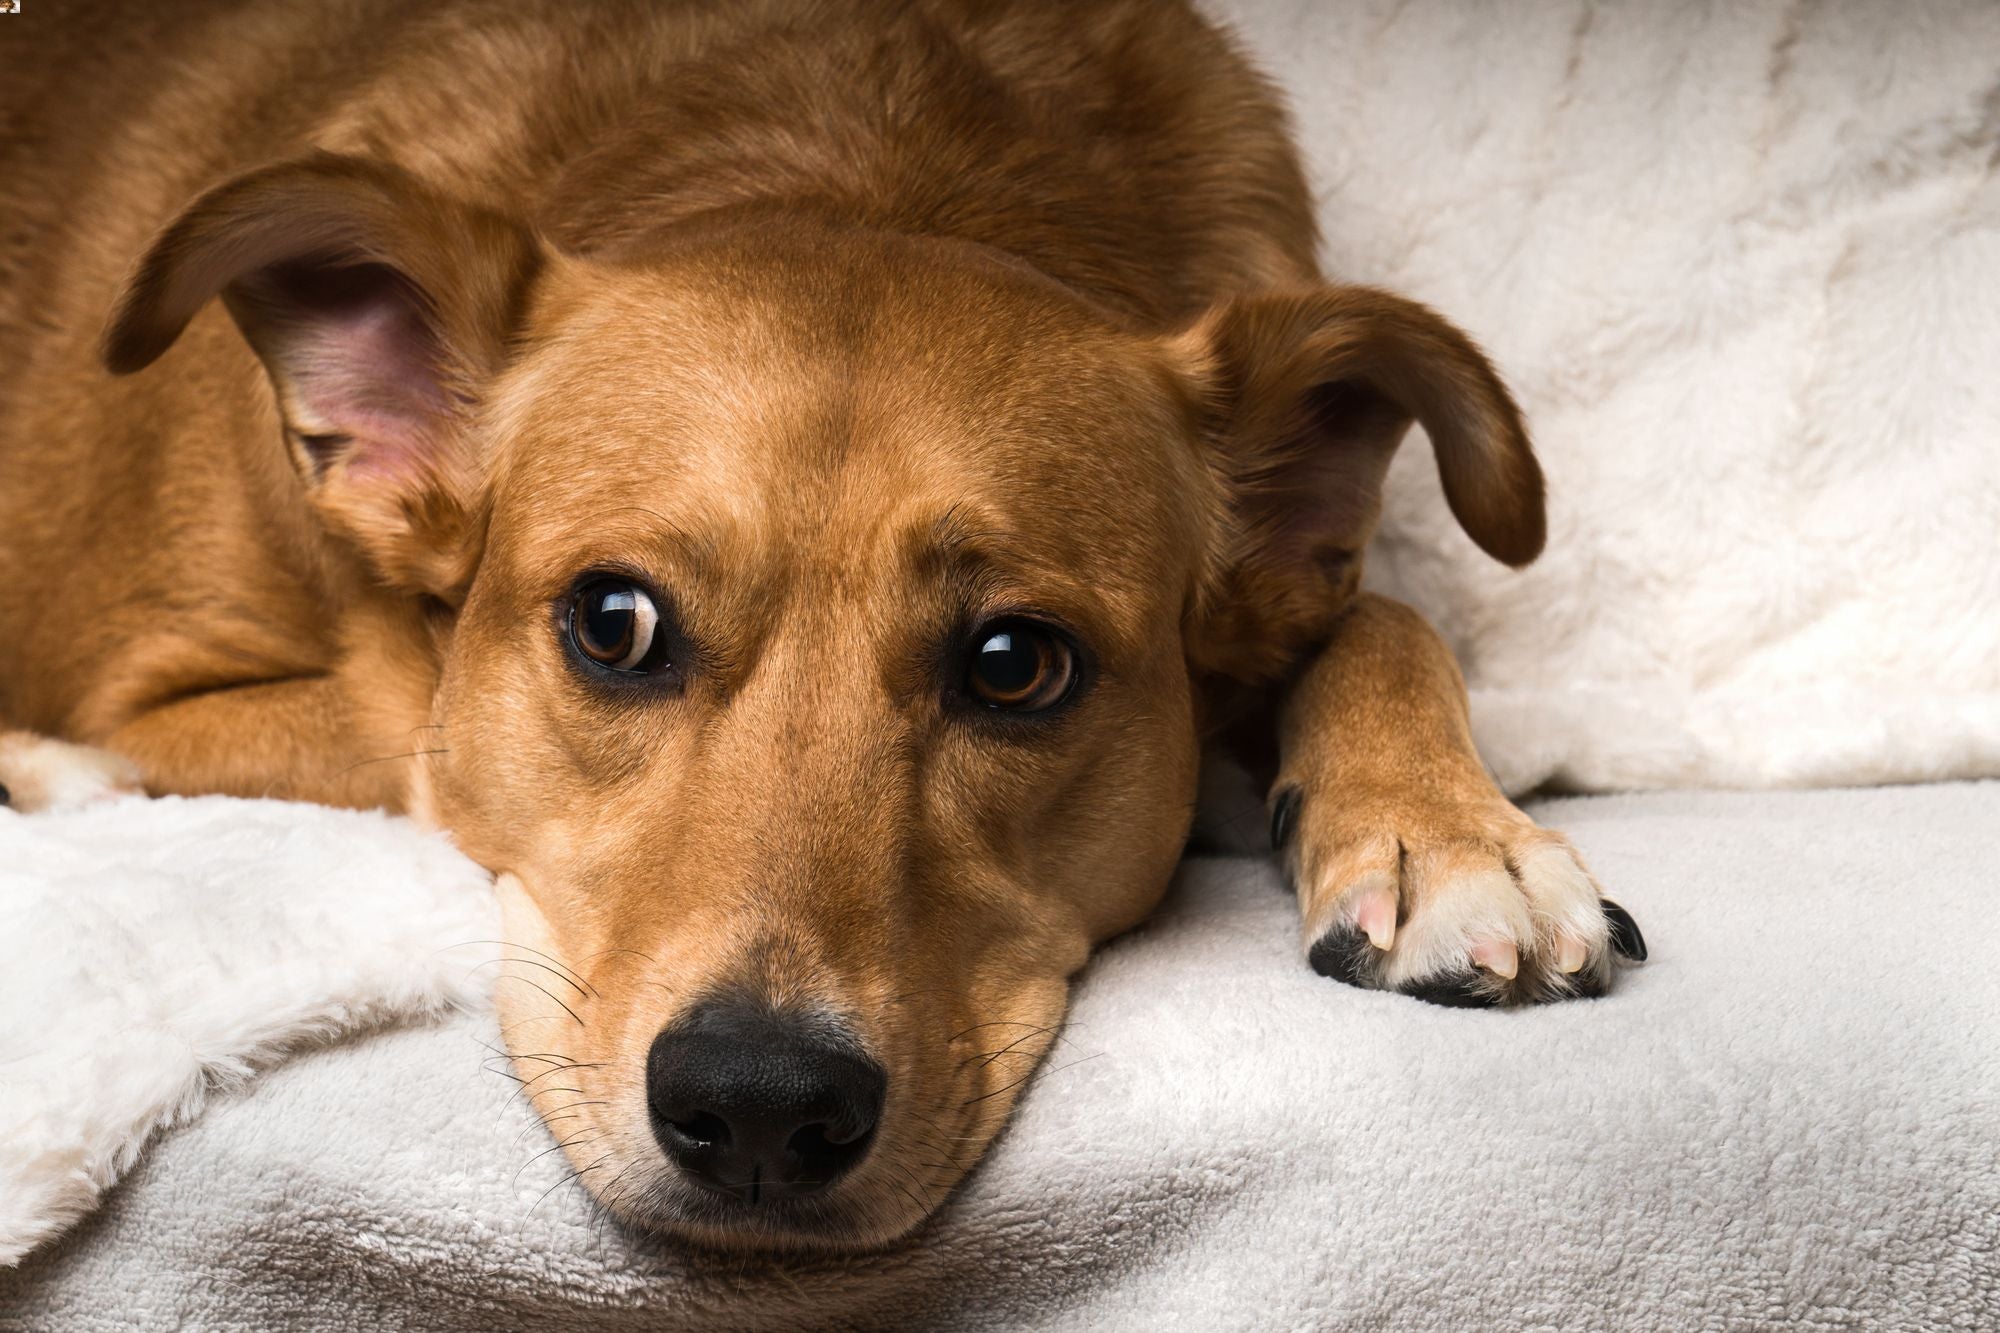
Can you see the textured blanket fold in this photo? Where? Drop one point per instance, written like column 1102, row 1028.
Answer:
column 157, row 950
column 1786, row 1117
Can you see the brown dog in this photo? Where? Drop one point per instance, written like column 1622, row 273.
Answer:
column 791, row 486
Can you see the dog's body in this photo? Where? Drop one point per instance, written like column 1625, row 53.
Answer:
column 840, row 336
column 160, row 497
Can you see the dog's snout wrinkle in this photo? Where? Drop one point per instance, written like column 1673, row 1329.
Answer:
column 759, row 1105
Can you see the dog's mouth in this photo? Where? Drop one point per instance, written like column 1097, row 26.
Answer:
column 766, row 1220
column 845, row 1197
column 814, row 1157
column 751, row 1120
column 737, row 1132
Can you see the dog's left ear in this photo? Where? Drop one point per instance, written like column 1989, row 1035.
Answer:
column 1302, row 398
column 379, row 310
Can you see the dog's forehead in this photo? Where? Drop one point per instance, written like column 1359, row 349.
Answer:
column 870, row 387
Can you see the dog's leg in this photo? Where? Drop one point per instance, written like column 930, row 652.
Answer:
column 40, row 773
column 1414, row 873
column 298, row 740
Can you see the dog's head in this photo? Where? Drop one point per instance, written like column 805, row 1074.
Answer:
column 819, row 621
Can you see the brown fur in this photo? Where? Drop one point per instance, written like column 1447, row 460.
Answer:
column 843, row 323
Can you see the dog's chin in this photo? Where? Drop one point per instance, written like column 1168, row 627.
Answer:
column 835, row 1223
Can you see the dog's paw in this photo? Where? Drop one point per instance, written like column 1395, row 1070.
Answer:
column 1459, row 904
column 38, row 773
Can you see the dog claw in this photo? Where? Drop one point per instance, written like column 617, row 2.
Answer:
column 1284, row 819
column 1376, row 915
column 1625, row 936
column 1498, row 957
column 1571, row 954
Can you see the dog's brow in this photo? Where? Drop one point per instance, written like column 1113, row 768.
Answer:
column 955, row 529
column 956, row 548
column 694, row 546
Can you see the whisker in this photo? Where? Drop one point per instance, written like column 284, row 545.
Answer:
column 508, row 976
column 604, row 1210
column 604, row 953
column 509, row 944
column 571, row 1106
column 991, row 1056
column 505, row 1028
column 1033, row 1074
column 384, row 759
column 636, row 953
column 530, row 962
column 921, row 1188
column 522, row 1094
column 915, row 1202
column 553, row 1116
column 574, row 1175
column 530, row 1082
column 594, row 1134
column 533, row 1125
column 996, row 1023
column 551, row 1056
column 557, row 1069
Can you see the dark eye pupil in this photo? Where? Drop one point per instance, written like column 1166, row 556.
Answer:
column 1008, row 664
column 1020, row 667
column 607, row 619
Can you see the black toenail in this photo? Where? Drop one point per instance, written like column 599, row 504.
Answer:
column 1343, row 953
column 1284, row 818
column 1456, row 990
column 1625, row 936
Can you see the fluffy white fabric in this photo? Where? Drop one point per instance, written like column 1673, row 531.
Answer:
column 157, row 950
column 1739, row 262
column 1786, row 1118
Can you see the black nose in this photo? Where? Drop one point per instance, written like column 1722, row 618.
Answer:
column 760, row 1105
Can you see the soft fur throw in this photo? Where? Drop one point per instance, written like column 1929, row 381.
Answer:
column 1741, row 264
column 158, row 950
column 1785, row 1119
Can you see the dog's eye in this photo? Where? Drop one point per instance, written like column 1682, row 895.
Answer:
column 615, row 624
column 1020, row 666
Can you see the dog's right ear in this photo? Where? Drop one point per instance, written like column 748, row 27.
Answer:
column 379, row 310
column 1302, row 397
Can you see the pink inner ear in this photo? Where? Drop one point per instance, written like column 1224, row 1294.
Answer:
column 356, row 361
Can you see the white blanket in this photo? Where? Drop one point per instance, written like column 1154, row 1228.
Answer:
column 151, row 951
column 1787, row 1116
column 1741, row 263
